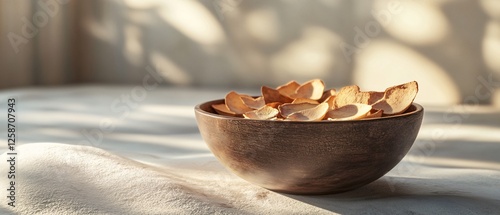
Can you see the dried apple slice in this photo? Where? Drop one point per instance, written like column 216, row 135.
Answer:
column 235, row 104
column 327, row 94
column 351, row 94
column 374, row 113
column 288, row 109
column 397, row 99
column 303, row 100
column 349, row 112
column 254, row 103
column 312, row 89
column 271, row 95
column 375, row 97
column 331, row 102
column 288, row 89
column 223, row 110
column 316, row 113
column 346, row 95
column 274, row 104
column 266, row 112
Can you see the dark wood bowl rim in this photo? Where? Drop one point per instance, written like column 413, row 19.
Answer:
column 413, row 109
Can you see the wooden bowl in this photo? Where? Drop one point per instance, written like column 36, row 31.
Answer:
column 309, row 157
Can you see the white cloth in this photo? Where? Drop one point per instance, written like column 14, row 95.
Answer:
column 146, row 156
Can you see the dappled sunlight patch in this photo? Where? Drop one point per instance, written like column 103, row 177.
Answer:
column 491, row 46
column 262, row 24
column 309, row 55
column 169, row 70
column 194, row 21
column 133, row 49
column 384, row 58
column 411, row 26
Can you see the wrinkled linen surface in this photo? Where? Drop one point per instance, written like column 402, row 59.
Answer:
column 96, row 149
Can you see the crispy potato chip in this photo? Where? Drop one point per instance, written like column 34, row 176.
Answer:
column 351, row 94
column 235, row 104
column 316, row 113
column 347, row 95
column 223, row 110
column 374, row 113
column 312, row 89
column 271, row 95
column 302, row 100
column 288, row 89
column 288, row 109
column 349, row 112
column 254, row 103
column 266, row 112
column 375, row 97
column 397, row 99
column 274, row 104
column 331, row 102
column 327, row 94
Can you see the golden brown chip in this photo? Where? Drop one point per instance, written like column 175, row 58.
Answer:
column 347, row 95
column 235, row 104
column 375, row 97
column 312, row 89
column 274, row 104
column 271, row 95
column 302, row 100
column 374, row 113
column 288, row 89
column 397, row 99
column 266, row 112
column 254, row 103
column 288, row 109
column 351, row 94
column 316, row 113
column 349, row 112
column 331, row 102
column 327, row 94
column 223, row 110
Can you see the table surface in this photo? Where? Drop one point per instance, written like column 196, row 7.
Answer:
column 96, row 149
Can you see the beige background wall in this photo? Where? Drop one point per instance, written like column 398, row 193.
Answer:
column 451, row 48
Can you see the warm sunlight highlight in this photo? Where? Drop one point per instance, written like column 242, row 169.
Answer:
column 194, row 21
column 311, row 55
column 386, row 63
column 491, row 46
column 133, row 50
column 169, row 70
column 418, row 23
column 262, row 24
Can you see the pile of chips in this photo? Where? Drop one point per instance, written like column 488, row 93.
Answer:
column 310, row 102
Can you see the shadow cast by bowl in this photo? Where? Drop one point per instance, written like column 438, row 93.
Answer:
column 409, row 196
column 458, row 153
